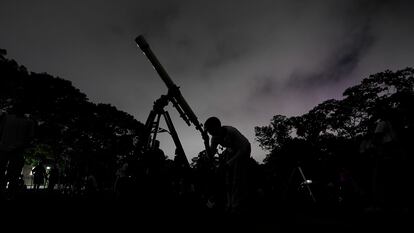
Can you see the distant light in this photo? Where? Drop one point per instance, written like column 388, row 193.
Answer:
column 48, row 168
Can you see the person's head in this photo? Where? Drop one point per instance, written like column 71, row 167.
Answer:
column 213, row 126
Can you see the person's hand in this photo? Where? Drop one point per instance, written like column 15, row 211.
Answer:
column 205, row 136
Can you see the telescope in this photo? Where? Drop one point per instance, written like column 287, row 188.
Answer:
column 175, row 97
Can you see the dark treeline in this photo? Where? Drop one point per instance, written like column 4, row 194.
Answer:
column 334, row 156
column 72, row 135
column 357, row 151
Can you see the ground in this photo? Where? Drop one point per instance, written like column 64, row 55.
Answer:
column 54, row 209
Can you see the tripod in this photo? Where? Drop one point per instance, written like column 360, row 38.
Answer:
column 152, row 128
column 305, row 182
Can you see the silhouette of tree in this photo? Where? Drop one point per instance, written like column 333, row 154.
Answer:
column 326, row 140
column 71, row 131
column 276, row 134
column 349, row 118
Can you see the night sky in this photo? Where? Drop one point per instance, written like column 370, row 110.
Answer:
column 242, row 61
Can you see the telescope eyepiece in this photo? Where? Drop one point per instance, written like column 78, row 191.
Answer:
column 141, row 42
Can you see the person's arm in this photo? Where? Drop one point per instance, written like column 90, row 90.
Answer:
column 213, row 146
column 237, row 154
column 240, row 145
column 233, row 158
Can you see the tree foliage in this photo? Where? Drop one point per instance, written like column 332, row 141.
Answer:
column 69, row 127
column 344, row 120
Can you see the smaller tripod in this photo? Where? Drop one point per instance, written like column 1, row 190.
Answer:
column 304, row 182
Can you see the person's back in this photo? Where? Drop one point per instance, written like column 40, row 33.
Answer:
column 53, row 178
column 235, row 162
column 233, row 139
column 39, row 173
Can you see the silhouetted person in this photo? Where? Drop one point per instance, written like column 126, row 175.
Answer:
column 154, row 182
column 235, row 163
column 91, row 185
column 387, row 172
column 406, row 136
column 207, row 184
column 39, row 174
column 367, row 151
column 16, row 131
column 182, row 174
column 156, row 160
column 121, row 181
column 53, row 178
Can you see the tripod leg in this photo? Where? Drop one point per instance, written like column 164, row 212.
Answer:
column 306, row 183
column 157, row 124
column 176, row 139
column 148, row 128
